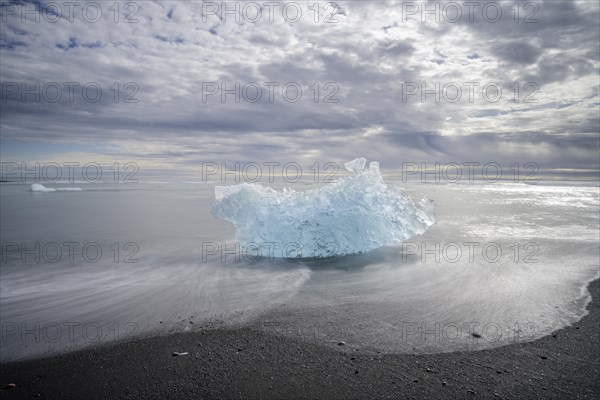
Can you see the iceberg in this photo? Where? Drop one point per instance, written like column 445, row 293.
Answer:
column 36, row 187
column 354, row 215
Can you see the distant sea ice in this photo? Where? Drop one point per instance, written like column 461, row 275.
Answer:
column 36, row 187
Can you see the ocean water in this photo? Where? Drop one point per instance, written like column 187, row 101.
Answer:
column 503, row 263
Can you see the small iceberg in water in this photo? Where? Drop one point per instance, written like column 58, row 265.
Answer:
column 356, row 214
column 36, row 187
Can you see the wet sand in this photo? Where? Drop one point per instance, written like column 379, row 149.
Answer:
column 244, row 363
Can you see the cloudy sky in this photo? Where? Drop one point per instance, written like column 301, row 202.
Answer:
column 528, row 81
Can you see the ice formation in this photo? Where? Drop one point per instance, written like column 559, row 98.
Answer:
column 36, row 187
column 356, row 214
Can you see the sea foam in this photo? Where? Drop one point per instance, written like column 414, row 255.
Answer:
column 354, row 215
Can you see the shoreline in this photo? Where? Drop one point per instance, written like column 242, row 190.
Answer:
column 245, row 363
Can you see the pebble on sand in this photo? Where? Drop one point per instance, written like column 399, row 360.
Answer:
column 177, row 354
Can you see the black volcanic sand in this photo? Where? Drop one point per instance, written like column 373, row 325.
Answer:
column 247, row 364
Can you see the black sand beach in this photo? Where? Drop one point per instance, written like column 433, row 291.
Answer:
column 247, row 364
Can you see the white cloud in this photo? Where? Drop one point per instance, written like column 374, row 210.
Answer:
column 370, row 54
